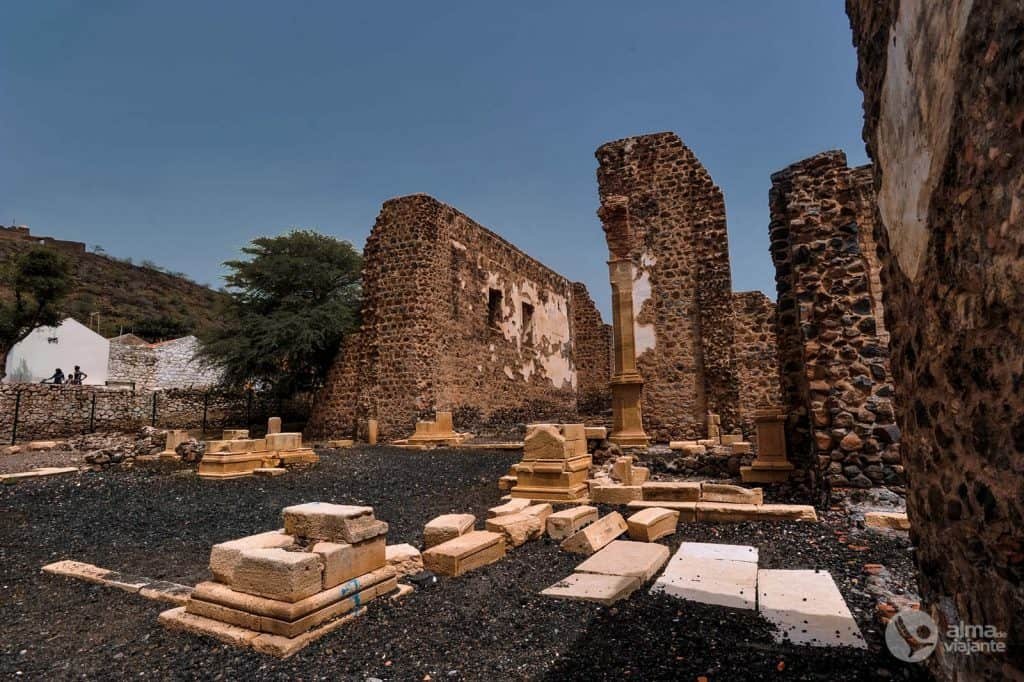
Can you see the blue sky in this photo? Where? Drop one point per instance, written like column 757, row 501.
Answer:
column 178, row 131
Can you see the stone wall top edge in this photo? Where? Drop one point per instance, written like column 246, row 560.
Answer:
column 616, row 144
column 832, row 156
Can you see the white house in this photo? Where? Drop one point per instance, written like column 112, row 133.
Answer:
column 66, row 345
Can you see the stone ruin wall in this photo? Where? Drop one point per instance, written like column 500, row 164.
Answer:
column 593, row 348
column 455, row 318
column 170, row 364
column 943, row 121
column 835, row 371
column 682, row 293
column 756, row 355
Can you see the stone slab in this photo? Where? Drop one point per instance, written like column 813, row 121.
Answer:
column 278, row 574
column 513, row 506
column 652, row 523
column 343, row 562
column 723, row 492
column 37, row 473
column 447, row 527
column 596, row 432
column 224, row 556
column 887, row 520
column 162, row 590
column 615, row 494
column 595, row 587
column 540, row 494
column 627, row 558
column 726, row 512
column 517, row 528
column 178, row 619
column 467, row 552
column 671, row 491
column 807, row 608
column 596, row 535
column 695, row 575
column 714, row 550
column 332, row 522
column 687, row 510
column 562, row 524
column 542, row 511
column 285, row 647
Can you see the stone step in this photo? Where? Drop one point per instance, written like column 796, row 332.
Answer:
column 595, row 587
column 807, row 608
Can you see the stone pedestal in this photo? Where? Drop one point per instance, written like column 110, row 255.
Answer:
column 771, row 465
column 175, row 437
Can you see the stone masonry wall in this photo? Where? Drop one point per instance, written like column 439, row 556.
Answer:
column 756, row 354
column 170, row 364
column 944, row 106
column 835, row 371
column 682, row 294
column 131, row 361
column 593, row 348
column 454, row 318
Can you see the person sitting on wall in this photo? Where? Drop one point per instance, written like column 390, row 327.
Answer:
column 78, row 377
column 57, row 379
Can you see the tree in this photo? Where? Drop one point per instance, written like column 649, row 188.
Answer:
column 288, row 308
column 39, row 279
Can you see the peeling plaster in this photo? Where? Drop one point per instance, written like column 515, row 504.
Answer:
column 643, row 334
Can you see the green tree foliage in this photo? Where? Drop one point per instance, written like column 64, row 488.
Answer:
column 289, row 306
column 39, row 279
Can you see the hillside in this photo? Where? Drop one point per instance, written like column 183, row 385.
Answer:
column 129, row 298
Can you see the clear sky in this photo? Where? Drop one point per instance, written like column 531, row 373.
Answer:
column 178, row 131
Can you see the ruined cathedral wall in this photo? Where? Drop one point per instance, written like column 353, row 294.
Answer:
column 674, row 236
column 593, row 348
column 756, row 356
column 942, row 105
column 835, row 368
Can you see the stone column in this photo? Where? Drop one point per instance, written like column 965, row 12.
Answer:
column 626, row 383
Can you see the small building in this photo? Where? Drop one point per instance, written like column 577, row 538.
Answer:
column 68, row 344
column 136, row 363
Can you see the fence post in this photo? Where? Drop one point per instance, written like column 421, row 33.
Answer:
column 153, row 418
column 206, row 405
column 92, row 414
column 17, row 410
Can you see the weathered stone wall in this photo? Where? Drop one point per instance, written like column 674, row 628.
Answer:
column 756, row 354
column 593, row 349
column 943, row 111
column 170, row 364
column 454, row 318
column 835, row 370
column 674, row 232
column 45, row 411
column 132, row 361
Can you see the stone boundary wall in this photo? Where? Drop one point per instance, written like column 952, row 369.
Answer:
column 46, row 412
column 835, row 370
column 943, row 118
column 757, row 359
column 675, row 236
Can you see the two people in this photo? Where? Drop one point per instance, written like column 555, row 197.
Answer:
column 58, row 377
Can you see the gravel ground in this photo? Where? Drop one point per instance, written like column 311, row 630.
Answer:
column 26, row 461
column 490, row 624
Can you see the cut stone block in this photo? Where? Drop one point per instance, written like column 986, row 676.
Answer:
column 723, row 511
column 467, row 552
column 687, row 510
column 807, row 608
column 506, row 483
column 541, row 494
column 405, row 559
column 178, row 619
column 332, row 522
column 224, row 557
column 513, row 506
column 175, row 437
column 731, row 438
column 278, row 574
column 671, row 491
column 786, row 512
column 710, row 581
column 545, row 441
column 95, row 574
column 343, row 562
column 273, row 425
column 562, row 524
column 721, row 492
column 716, row 551
column 596, row 433
column 235, row 434
column 596, row 535
column 517, row 528
column 615, row 494
column 447, row 527
column 269, row 471
column 542, row 511
column 627, row 558
column 741, row 447
column 285, row 647
column 284, row 441
column 653, row 523
column 162, row 590
column 603, row 589
column 890, row 520
column 690, row 447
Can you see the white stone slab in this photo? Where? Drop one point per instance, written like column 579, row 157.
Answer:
column 627, row 558
column 603, row 589
column 710, row 550
column 807, row 608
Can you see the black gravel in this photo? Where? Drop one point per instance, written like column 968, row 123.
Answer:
column 490, row 624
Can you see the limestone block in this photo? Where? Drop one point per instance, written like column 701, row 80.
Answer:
column 447, row 527
column 341, row 443
column 726, row 511
column 721, row 492
column 687, row 510
column 741, row 447
column 671, row 491
column 596, row 433
column 332, row 522
column 653, row 523
column 542, row 511
column 513, row 506
column 690, row 447
column 538, row 493
column 786, row 512
column 702, row 575
column 596, row 535
column 286, row 647
column 562, row 524
column 622, row 469
column 806, row 607
column 178, row 619
column 404, row 558
column 506, row 483
column 235, row 434
column 467, row 552
column 284, row 441
column 615, row 494
column 731, row 438
column 165, row 591
column 627, row 558
column 639, row 475
column 273, row 425
column 716, row 551
column 546, row 442
column 224, row 557
column 278, row 574
column 574, row 432
column 175, row 437
column 889, row 520
column 595, row 587
column 343, row 562
column 517, row 528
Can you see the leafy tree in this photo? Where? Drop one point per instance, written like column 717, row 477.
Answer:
column 39, row 279
column 289, row 306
